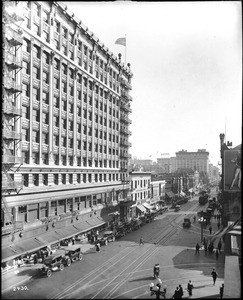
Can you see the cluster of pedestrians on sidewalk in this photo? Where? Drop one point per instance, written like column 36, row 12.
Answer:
column 179, row 292
column 209, row 248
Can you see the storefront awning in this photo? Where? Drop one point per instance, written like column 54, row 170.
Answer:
column 147, row 206
column 67, row 232
column 141, row 208
column 95, row 222
column 21, row 248
column 82, row 226
column 170, row 194
column 50, row 237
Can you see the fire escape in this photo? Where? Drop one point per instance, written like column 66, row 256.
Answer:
column 125, row 109
column 11, row 111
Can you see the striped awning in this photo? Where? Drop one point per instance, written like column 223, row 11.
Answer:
column 141, row 208
column 170, row 194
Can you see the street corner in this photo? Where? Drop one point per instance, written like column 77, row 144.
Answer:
column 187, row 258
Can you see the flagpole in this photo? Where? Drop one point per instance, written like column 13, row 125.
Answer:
column 125, row 48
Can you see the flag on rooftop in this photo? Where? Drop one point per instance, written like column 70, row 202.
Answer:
column 121, row 41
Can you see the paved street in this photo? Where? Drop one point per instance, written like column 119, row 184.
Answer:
column 124, row 270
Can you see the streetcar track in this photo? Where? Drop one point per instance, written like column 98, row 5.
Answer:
column 121, row 273
column 156, row 239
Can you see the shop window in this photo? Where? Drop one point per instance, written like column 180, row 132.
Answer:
column 53, row 210
column 22, row 213
column 43, row 209
column 33, row 212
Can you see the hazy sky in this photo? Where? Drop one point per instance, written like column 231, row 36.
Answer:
column 187, row 70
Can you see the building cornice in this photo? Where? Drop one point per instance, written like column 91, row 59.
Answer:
column 85, row 30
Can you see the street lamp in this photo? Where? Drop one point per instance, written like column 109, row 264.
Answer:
column 202, row 220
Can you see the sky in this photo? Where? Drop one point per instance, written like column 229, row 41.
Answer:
column 186, row 60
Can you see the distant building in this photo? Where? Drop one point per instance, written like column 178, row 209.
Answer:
column 195, row 160
column 166, row 165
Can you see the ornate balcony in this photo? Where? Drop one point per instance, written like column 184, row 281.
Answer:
column 126, row 84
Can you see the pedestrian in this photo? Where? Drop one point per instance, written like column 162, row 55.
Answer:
column 205, row 248
column 197, row 248
column 180, row 291
column 176, row 293
column 217, row 253
column 215, row 216
column 220, row 246
column 141, row 241
column 221, row 291
column 218, row 225
column 210, row 229
column 194, row 218
column 210, row 247
column 214, row 275
column 98, row 247
column 189, row 288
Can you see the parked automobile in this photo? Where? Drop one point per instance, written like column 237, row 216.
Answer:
column 177, row 207
column 108, row 236
column 120, row 233
column 53, row 262
column 66, row 242
column 135, row 224
column 72, row 253
column 186, row 223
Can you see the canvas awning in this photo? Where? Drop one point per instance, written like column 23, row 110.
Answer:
column 147, row 206
column 170, row 194
column 20, row 248
column 141, row 208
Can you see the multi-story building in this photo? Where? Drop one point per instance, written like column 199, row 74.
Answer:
column 140, row 190
column 66, row 109
column 167, row 164
column 194, row 160
column 157, row 193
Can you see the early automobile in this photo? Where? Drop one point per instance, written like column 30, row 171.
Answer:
column 177, row 207
column 108, row 236
column 186, row 223
column 53, row 262
column 72, row 254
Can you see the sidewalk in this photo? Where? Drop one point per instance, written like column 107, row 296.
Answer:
column 19, row 276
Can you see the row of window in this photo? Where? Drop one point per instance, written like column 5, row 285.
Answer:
column 68, row 160
column 68, row 49
column 64, row 104
column 31, row 212
column 35, row 137
column 140, row 196
column 140, row 182
column 67, row 178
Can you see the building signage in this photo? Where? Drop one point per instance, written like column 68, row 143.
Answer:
column 232, row 170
